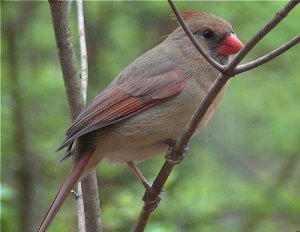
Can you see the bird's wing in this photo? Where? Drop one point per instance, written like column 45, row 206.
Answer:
column 119, row 102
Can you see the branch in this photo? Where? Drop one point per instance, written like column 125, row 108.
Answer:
column 59, row 12
column 89, row 203
column 83, row 50
column 84, row 79
column 210, row 60
column 89, row 186
column 67, row 57
column 80, row 208
column 280, row 15
column 178, row 149
column 266, row 58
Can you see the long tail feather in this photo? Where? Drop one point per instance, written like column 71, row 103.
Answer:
column 71, row 180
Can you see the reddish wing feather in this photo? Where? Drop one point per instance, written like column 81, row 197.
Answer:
column 120, row 102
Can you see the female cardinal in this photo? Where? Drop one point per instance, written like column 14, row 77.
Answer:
column 149, row 104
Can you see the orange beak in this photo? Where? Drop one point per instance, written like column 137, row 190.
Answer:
column 229, row 45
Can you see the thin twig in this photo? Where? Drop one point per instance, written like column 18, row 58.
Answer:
column 80, row 208
column 178, row 149
column 84, row 81
column 280, row 15
column 83, row 50
column 266, row 58
column 88, row 187
column 215, row 64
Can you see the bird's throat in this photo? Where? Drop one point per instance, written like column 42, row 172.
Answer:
column 223, row 60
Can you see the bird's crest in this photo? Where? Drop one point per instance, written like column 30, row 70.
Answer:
column 188, row 15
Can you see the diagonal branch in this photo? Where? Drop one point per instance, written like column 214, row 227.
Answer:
column 178, row 149
column 266, row 58
column 280, row 15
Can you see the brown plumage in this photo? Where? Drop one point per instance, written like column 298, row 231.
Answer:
column 149, row 103
column 125, row 100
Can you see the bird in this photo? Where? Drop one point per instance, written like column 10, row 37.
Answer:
column 149, row 104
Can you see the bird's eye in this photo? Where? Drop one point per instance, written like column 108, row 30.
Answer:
column 208, row 34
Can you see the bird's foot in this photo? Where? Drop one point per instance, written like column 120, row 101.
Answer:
column 171, row 159
column 150, row 203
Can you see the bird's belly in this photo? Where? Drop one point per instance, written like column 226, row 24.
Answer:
column 137, row 154
column 142, row 136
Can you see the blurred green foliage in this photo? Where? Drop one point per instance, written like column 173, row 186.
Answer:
column 241, row 173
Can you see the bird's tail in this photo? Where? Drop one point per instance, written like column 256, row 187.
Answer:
column 74, row 175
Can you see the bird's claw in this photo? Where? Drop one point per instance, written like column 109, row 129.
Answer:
column 178, row 160
column 170, row 160
column 150, row 204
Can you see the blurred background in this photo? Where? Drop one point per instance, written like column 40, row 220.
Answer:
column 241, row 174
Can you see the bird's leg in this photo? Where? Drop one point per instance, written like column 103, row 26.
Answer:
column 151, row 205
column 168, row 156
column 138, row 174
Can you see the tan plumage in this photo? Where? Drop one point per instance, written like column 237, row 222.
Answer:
column 149, row 103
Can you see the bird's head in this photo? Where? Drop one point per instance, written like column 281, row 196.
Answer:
column 214, row 34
